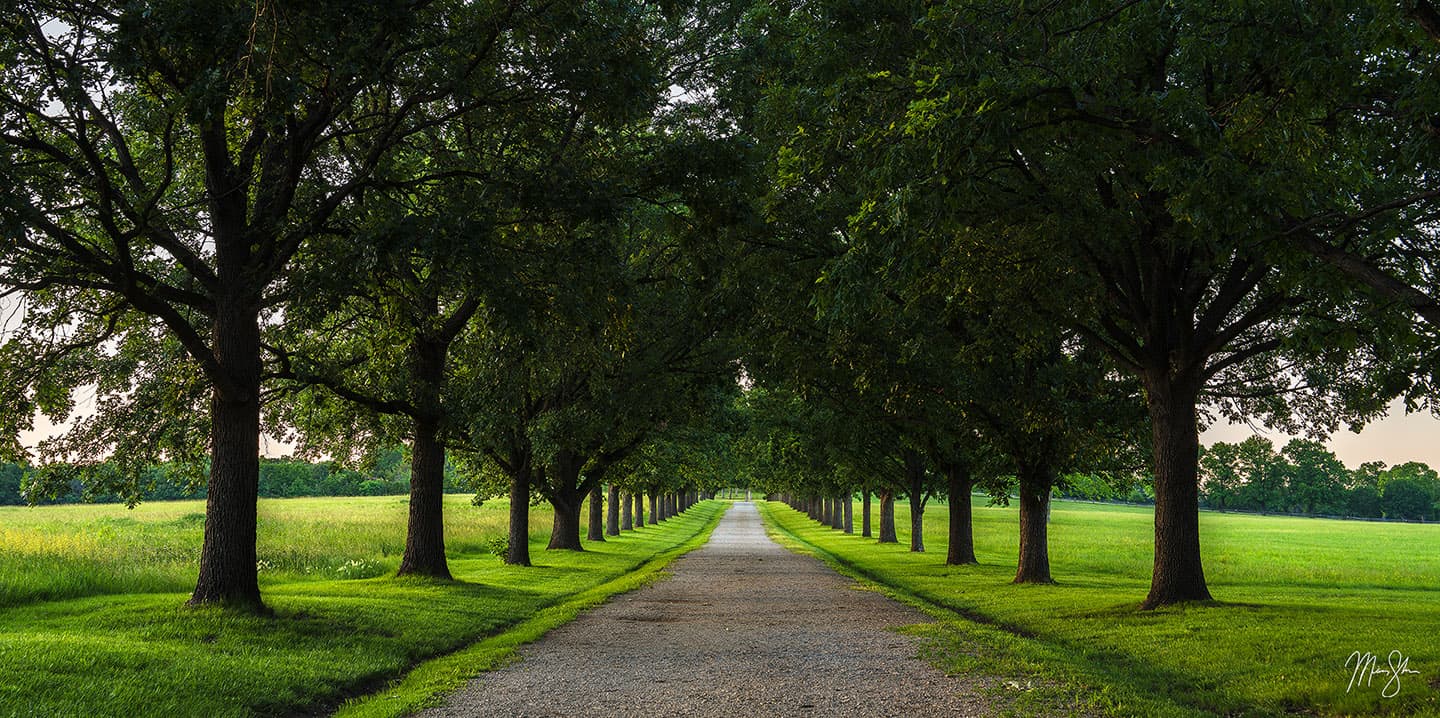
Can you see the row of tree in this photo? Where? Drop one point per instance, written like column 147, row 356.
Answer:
column 940, row 243
column 1304, row 477
column 494, row 232
column 1024, row 240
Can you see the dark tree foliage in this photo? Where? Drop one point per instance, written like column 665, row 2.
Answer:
column 382, row 322
column 873, row 319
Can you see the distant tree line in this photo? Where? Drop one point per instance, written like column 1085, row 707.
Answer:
column 1302, row 478
column 1305, row 478
column 285, row 477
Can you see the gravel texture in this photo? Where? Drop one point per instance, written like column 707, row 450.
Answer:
column 742, row 627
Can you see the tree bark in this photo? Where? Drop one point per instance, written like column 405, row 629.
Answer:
column 627, row 512
column 565, row 529
column 519, row 551
column 917, row 526
column 849, row 510
column 962, row 541
column 865, row 514
column 596, row 529
column 915, row 475
column 567, row 495
column 887, row 518
column 639, row 510
column 1034, row 564
column 655, row 516
column 1178, row 575
column 612, row 518
column 425, row 532
column 228, row 575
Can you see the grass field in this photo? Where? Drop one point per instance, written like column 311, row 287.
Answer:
column 92, row 621
column 1294, row 598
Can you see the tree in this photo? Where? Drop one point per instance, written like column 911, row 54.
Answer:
column 1407, row 498
column 1263, row 469
column 1220, row 478
column 11, row 484
column 1364, row 490
column 1314, row 478
column 1413, row 481
column 165, row 162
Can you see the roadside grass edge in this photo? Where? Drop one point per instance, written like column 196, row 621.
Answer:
column 1038, row 676
column 430, row 681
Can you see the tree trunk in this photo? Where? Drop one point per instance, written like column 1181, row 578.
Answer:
column 655, row 516
column 612, row 519
column 887, row 518
column 849, row 510
column 228, row 574
column 565, row 529
column 1178, row 575
column 519, row 551
column 917, row 526
column 837, row 514
column 596, row 529
column 958, row 484
column 915, row 474
column 1034, row 566
column 567, row 495
column 627, row 511
column 425, row 532
column 865, row 513
column 639, row 510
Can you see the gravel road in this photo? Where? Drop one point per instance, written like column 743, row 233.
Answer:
column 742, row 627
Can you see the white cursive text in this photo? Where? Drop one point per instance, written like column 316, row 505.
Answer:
column 1365, row 669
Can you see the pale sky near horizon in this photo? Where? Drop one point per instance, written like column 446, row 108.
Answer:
column 1394, row 439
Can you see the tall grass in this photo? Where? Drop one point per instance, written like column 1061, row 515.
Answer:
column 70, row 551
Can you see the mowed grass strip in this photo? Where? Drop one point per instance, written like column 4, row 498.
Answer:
column 1294, row 598
column 130, row 647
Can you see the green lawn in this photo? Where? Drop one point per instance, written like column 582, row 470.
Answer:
column 1294, row 597
column 92, row 621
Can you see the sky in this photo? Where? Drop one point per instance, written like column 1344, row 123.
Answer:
column 1395, row 439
